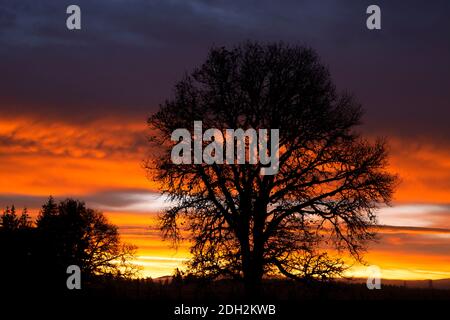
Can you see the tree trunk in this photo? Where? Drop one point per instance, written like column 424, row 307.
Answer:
column 252, row 258
column 253, row 272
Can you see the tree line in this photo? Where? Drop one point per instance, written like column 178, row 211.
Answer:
column 37, row 253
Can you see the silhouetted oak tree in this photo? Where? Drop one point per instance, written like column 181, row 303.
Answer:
column 330, row 180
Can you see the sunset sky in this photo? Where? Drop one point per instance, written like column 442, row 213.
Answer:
column 74, row 104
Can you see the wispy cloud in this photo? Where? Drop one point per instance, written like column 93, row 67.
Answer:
column 416, row 215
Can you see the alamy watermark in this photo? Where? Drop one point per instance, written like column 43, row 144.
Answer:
column 74, row 279
column 249, row 146
column 374, row 279
column 73, row 21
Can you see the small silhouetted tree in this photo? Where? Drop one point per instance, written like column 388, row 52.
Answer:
column 330, row 180
column 10, row 221
column 47, row 214
column 25, row 219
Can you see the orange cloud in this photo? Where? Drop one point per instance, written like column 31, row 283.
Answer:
column 41, row 158
column 424, row 170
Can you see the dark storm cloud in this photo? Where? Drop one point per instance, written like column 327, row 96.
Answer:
column 129, row 54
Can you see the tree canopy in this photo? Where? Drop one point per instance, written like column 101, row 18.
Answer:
column 330, row 180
